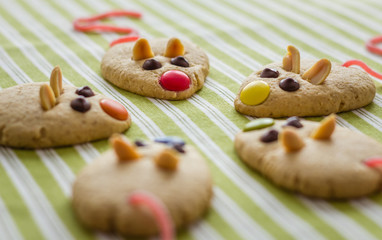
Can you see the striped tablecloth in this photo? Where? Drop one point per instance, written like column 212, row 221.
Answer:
column 239, row 36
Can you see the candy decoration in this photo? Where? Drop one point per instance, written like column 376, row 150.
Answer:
column 258, row 124
column 151, row 64
column 290, row 140
column 270, row 136
column 318, row 72
column 289, row 85
column 175, row 80
column 142, row 50
column 114, row 109
column 56, row 81
column 255, row 93
column 85, row 91
column 179, row 61
column 87, row 25
column 174, row 48
column 363, row 66
column 170, row 140
column 291, row 61
column 373, row 162
column 175, row 142
column 167, row 159
column 123, row 149
column 293, row 122
column 47, row 97
column 371, row 45
column 159, row 211
column 80, row 104
column 326, row 128
column 269, row 73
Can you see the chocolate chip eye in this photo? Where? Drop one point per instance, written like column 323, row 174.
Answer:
column 293, row 122
column 80, row 104
column 85, row 91
column 270, row 136
column 269, row 73
column 179, row 61
column 179, row 148
column 289, row 85
column 151, row 64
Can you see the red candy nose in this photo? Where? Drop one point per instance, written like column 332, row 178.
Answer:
column 174, row 80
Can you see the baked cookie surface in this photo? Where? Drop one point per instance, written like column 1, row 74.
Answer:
column 301, row 156
column 164, row 68
column 76, row 115
column 176, row 174
column 314, row 88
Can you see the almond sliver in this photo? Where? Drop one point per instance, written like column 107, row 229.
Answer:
column 318, row 72
column 47, row 97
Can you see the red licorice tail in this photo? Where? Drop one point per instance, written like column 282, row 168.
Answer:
column 159, row 211
column 124, row 39
column 374, row 162
column 88, row 25
column 371, row 45
column 363, row 66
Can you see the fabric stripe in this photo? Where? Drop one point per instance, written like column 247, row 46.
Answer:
column 8, row 228
column 16, row 208
column 49, row 223
column 247, row 227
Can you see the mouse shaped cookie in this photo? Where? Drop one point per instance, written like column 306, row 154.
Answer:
column 166, row 69
column 306, row 88
column 40, row 115
column 315, row 159
column 167, row 168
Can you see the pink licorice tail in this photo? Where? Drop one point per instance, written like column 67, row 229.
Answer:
column 159, row 211
column 363, row 66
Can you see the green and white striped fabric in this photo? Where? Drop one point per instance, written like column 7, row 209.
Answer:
column 239, row 37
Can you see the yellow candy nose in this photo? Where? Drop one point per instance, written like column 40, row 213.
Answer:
column 255, row 93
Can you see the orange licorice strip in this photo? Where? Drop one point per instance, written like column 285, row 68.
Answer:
column 159, row 211
column 363, row 66
column 371, row 45
column 87, row 25
column 374, row 162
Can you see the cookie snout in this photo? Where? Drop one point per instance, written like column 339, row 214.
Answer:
column 175, row 80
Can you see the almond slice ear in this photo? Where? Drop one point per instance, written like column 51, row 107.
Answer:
column 326, row 128
column 318, row 72
column 291, row 60
column 56, row 81
column 123, row 149
column 142, row 50
column 47, row 97
column 290, row 140
column 174, row 48
column 167, row 159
